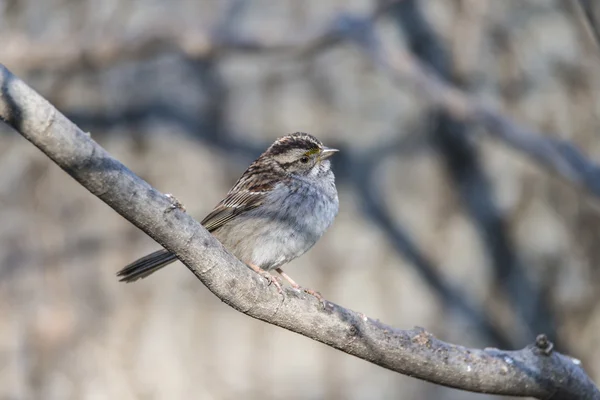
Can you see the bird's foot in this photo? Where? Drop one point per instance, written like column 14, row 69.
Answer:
column 270, row 278
column 315, row 294
column 300, row 288
column 289, row 279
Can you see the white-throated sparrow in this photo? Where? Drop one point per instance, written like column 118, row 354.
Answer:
column 277, row 210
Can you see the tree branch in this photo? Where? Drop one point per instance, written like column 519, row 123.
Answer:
column 534, row 371
column 585, row 9
column 465, row 169
column 556, row 155
column 20, row 52
column 362, row 168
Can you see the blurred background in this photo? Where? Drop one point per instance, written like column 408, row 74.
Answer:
column 441, row 224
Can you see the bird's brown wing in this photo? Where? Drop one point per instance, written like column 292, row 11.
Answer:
column 231, row 206
column 248, row 193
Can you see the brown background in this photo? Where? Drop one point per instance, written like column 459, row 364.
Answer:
column 190, row 124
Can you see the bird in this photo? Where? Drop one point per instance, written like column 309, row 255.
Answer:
column 276, row 211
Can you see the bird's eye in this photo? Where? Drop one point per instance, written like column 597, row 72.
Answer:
column 304, row 160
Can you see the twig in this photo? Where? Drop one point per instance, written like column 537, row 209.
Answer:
column 527, row 372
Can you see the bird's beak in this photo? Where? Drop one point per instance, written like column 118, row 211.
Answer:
column 327, row 152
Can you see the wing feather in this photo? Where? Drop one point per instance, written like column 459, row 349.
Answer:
column 249, row 192
column 231, row 206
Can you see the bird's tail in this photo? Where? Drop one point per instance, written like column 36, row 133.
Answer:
column 146, row 265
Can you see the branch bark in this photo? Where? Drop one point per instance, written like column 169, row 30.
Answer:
column 534, row 371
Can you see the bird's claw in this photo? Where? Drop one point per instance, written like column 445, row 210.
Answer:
column 272, row 280
column 315, row 294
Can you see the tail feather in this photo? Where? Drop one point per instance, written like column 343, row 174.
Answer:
column 147, row 265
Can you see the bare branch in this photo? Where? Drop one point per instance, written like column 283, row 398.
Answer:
column 461, row 157
column 556, row 155
column 21, row 53
column 585, row 9
column 534, row 371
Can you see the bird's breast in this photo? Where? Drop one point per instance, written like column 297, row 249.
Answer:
column 287, row 224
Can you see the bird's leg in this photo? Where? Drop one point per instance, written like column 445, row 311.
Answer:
column 270, row 278
column 289, row 279
column 298, row 287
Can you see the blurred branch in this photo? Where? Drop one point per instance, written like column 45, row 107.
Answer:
column 77, row 53
column 534, row 371
column 556, row 155
column 363, row 171
column 450, row 136
column 586, row 9
column 201, row 126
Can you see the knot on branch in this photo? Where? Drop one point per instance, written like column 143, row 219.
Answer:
column 422, row 338
column 544, row 344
